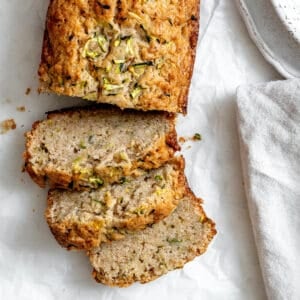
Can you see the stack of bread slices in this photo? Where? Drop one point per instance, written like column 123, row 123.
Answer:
column 117, row 184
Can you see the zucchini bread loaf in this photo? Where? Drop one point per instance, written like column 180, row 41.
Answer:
column 147, row 254
column 87, row 147
column 131, row 53
column 84, row 219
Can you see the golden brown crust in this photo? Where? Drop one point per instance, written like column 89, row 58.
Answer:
column 171, row 35
column 161, row 152
column 194, row 30
column 128, row 280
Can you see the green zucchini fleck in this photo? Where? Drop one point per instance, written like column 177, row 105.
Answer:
column 197, row 137
column 119, row 61
column 90, row 139
column 147, row 35
column 82, row 145
column 122, row 67
column 91, row 96
column 112, row 87
column 107, row 86
column 129, row 46
column 123, row 180
column 139, row 211
column 158, row 178
column 125, row 37
column 135, row 92
column 95, row 46
column 103, row 43
column 174, row 241
column 96, row 180
column 83, row 84
column 143, row 64
column 117, row 42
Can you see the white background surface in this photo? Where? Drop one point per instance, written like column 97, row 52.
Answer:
column 33, row 266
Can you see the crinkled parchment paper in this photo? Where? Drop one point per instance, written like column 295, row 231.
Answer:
column 33, row 266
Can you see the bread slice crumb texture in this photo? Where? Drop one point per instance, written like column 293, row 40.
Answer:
column 87, row 147
column 84, row 219
column 145, row 255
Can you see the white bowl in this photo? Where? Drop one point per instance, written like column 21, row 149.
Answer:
column 271, row 36
column 289, row 13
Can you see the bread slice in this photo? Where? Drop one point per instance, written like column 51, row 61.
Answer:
column 86, row 147
column 84, row 219
column 145, row 255
column 134, row 54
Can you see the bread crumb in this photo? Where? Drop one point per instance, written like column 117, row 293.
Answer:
column 21, row 108
column 182, row 140
column 28, row 90
column 197, row 137
column 7, row 125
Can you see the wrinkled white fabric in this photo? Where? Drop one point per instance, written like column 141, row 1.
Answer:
column 268, row 118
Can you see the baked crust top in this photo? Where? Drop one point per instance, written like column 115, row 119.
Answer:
column 134, row 54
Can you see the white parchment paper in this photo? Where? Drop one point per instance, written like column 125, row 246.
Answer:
column 33, row 266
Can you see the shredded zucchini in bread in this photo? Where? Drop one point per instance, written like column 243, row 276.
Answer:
column 135, row 53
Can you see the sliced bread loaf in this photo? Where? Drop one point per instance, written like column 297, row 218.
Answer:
column 147, row 254
column 84, row 219
column 134, row 54
column 86, row 147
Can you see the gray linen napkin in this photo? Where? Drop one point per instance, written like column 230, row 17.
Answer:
column 268, row 117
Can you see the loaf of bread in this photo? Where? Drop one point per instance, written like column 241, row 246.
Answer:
column 134, row 54
column 87, row 147
column 84, row 219
column 145, row 255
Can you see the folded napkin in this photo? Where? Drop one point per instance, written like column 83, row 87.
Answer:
column 268, row 117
